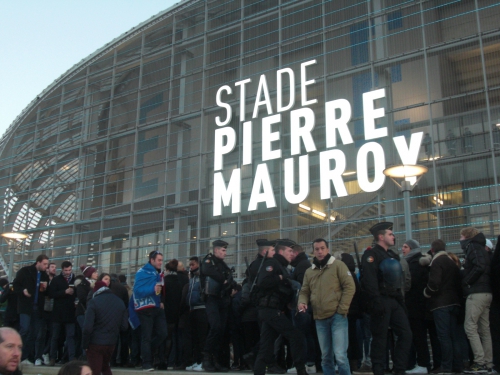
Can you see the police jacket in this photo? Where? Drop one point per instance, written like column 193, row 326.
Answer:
column 217, row 270
column 476, row 272
column 443, row 288
column 105, row 317
column 248, row 310
column 301, row 263
column 272, row 291
column 26, row 279
column 372, row 281
column 64, row 304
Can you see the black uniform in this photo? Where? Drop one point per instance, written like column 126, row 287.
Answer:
column 216, row 278
column 273, row 295
column 385, row 306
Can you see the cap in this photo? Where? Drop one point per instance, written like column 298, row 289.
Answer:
column 87, row 270
column 220, row 243
column 381, row 226
column 99, row 284
column 489, row 244
column 264, row 242
column 413, row 244
column 285, row 242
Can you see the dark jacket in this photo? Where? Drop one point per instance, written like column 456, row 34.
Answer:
column 64, row 304
column 495, row 272
column 416, row 303
column 476, row 272
column 355, row 306
column 218, row 270
column 82, row 291
column 248, row 310
column 10, row 318
column 105, row 318
column 120, row 291
column 26, row 279
column 193, row 292
column 171, row 296
column 443, row 288
column 301, row 263
column 273, row 291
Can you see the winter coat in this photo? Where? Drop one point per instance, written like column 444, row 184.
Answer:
column 416, row 303
column 355, row 306
column 194, row 292
column 82, row 291
column 105, row 317
column 26, row 279
column 301, row 263
column 443, row 288
column 476, row 272
column 329, row 289
column 171, row 297
column 64, row 304
column 120, row 291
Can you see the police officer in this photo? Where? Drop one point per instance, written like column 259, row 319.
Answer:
column 217, row 282
column 249, row 320
column 274, row 292
column 381, row 286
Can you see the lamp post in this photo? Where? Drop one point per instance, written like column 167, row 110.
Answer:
column 410, row 175
column 11, row 238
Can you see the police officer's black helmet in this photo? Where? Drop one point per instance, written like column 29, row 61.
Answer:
column 264, row 242
column 384, row 225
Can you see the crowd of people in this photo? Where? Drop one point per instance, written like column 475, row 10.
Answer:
column 295, row 312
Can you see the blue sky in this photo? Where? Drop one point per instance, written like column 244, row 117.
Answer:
column 42, row 39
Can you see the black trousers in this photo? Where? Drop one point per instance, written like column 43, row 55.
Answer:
column 275, row 323
column 395, row 317
column 217, row 310
column 195, row 335
column 419, row 332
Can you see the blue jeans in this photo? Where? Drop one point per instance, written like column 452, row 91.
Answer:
column 32, row 330
column 447, row 328
column 333, row 339
column 153, row 334
column 70, row 339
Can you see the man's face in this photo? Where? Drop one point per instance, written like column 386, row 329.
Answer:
column 287, row 253
column 405, row 249
column 193, row 265
column 67, row 271
column 157, row 262
column 52, row 269
column 220, row 252
column 270, row 252
column 10, row 352
column 320, row 250
column 387, row 239
column 43, row 265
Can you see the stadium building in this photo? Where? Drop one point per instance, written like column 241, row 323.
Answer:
column 241, row 120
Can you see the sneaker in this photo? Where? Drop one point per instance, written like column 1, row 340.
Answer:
column 292, row 370
column 417, row 370
column 148, row 369
column 197, row 367
column 275, row 369
column 365, row 369
column 311, row 369
column 476, row 368
column 46, row 359
column 190, row 367
column 38, row 362
column 27, row 362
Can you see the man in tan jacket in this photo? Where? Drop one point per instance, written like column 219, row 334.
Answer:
column 329, row 287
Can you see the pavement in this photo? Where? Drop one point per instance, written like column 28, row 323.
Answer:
column 53, row 370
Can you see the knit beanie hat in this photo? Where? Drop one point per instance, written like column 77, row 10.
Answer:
column 87, row 270
column 413, row 244
column 99, row 285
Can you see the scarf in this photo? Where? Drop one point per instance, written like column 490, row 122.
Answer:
column 322, row 263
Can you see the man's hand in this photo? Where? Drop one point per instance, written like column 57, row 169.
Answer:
column 25, row 292
column 302, row 307
column 69, row 291
column 162, row 306
column 157, row 289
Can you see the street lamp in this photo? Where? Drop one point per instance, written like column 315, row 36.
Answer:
column 11, row 238
column 410, row 175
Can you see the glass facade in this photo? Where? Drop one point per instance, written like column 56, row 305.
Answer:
column 117, row 157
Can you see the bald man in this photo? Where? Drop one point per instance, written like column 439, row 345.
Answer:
column 11, row 348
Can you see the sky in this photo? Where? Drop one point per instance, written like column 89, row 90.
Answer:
column 42, row 39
